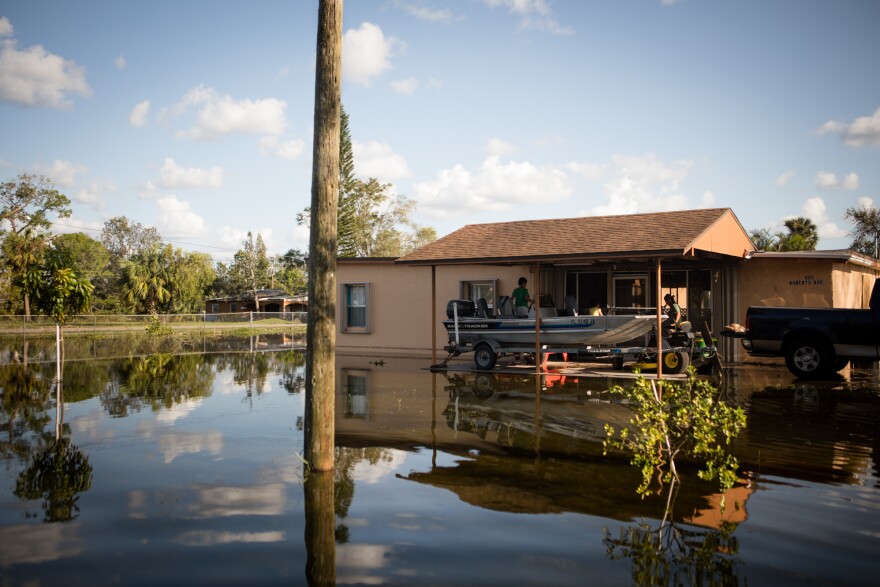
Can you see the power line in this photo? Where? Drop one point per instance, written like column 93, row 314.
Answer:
column 163, row 240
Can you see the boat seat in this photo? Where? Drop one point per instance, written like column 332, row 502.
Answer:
column 571, row 306
column 483, row 308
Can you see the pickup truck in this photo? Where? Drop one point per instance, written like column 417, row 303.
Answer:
column 816, row 342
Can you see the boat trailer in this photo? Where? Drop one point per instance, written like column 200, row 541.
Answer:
column 679, row 351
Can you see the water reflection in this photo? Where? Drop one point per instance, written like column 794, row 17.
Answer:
column 196, row 475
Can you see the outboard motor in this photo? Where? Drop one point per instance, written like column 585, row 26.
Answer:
column 466, row 309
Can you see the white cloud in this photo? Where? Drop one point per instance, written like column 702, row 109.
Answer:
column 140, row 114
column 865, row 202
column 406, row 86
column 177, row 220
column 35, row 77
column 499, row 148
column 366, row 53
column 5, row 27
column 707, row 200
column 784, row 178
column 494, row 187
column 441, row 15
column 826, row 180
column 273, row 147
column 861, row 132
column 591, row 171
column 62, row 173
column 219, row 115
column 374, row 159
column 644, row 184
column 119, row 62
column 92, row 195
column 534, row 15
column 173, row 176
column 815, row 210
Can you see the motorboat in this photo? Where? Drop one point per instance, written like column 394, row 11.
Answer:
column 466, row 325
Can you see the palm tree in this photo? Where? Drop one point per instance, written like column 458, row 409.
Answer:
column 146, row 279
column 802, row 235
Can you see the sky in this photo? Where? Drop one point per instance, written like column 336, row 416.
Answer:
column 197, row 117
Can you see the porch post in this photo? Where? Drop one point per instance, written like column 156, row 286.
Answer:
column 537, row 305
column 433, row 314
column 659, row 324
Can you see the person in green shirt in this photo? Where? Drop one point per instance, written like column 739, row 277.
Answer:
column 521, row 298
column 673, row 312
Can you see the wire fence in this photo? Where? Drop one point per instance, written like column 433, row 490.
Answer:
column 13, row 323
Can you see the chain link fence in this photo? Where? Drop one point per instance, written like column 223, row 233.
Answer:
column 98, row 322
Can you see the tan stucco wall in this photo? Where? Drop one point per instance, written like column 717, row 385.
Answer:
column 807, row 283
column 726, row 237
column 400, row 303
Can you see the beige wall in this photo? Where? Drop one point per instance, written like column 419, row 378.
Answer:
column 400, row 303
column 807, row 283
column 726, row 236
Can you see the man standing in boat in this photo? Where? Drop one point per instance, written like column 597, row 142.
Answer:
column 521, row 299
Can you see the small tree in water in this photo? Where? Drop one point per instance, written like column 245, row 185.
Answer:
column 672, row 419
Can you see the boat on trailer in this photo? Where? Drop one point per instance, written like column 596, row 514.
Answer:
column 471, row 327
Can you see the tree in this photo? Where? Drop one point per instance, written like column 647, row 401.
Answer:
column 802, row 235
column 291, row 272
column 250, row 267
column 764, row 239
column 146, row 278
column 866, row 232
column 124, row 238
column 191, row 274
column 57, row 287
column 27, row 201
column 22, row 254
column 370, row 220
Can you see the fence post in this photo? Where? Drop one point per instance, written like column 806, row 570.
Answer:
column 252, row 319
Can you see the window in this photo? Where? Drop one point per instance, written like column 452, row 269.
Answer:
column 483, row 288
column 356, row 310
column 356, row 389
column 215, row 307
column 630, row 294
column 233, row 307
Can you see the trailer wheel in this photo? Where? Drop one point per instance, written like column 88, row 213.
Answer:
column 676, row 362
column 484, row 356
column 808, row 359
column 617, row 363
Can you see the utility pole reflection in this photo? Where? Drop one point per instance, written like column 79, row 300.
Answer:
column 320, row 529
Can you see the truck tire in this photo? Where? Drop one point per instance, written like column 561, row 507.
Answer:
column 808, row 358
column 675, row 362
column 484, row 356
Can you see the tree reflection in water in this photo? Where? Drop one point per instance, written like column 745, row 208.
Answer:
column 58, row 474
column 676, row 554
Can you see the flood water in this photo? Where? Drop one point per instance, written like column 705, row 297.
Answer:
column 182, row 466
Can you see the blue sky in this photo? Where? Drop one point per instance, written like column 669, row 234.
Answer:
column 196, row 117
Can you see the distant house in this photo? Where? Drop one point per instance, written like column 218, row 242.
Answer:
column 271, row 300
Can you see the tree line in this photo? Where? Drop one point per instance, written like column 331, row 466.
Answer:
column 803, row 235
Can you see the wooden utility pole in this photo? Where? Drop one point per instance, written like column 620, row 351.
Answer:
column 321, row 333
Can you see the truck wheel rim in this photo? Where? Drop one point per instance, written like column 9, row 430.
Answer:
column 805, row 358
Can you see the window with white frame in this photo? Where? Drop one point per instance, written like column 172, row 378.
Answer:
column 215, row 307
column 356, row 310
column 233, row 307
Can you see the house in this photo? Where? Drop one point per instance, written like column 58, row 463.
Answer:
column 271, row 300
column 704, row 258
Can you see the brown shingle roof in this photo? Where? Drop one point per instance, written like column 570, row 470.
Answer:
column 660, row 233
